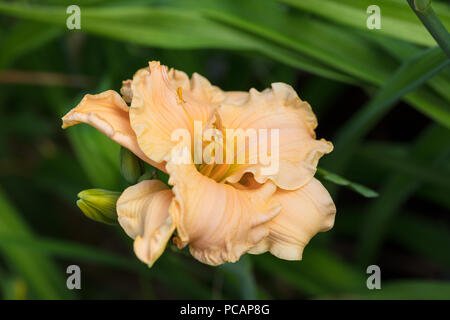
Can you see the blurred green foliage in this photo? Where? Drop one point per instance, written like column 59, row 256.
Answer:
column 382, row 96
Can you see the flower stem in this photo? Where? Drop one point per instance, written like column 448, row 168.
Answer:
column 426, row 14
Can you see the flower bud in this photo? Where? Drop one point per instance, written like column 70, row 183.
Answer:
column 99, row 205
column 148, row 175
column 131, row 166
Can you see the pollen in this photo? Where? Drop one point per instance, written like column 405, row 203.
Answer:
column 180, row 94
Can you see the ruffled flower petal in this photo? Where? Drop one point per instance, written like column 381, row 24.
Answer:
column 304, row 213
column 219, row 222
column 142, row 212
column 276, row 108
column 108, row 113
column 198, row 86
column 162, row 104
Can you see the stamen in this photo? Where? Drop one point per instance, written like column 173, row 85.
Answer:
column 180, row 94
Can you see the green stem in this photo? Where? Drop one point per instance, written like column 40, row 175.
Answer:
column 426, row 14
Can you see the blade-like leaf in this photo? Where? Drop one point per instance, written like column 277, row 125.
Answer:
column 319, row 273
column 240, row 274
column 82, row 253
column 396, row 163
column 167, row 28
column 431, row 149
column 430, row 238
column 403, row 290
column 332, row 177
column 37, row 35
column 43, row 277
column 397, row 19
column 319, row 48
column 411, row 74
column 424, row 11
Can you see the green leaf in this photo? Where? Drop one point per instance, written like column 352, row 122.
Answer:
column 36, row 34
column 431, row 238
column 383, row 156
column 401, row 51
column 332, row 177
column 168, row 268
column 98, row 155
column 319, row 273
column 94, row 149
column 240, row 274
column 431, row 149
column 403, row 290
column 328, row 43
column 13, row 288
column 166, row 27
column 39, row 272
column 429, row 241
column 320, row 48
column 65, row 249
column 397, row 19
column 424, row 11
column 269, row 21
column 434, row 194
column 415, row 71
column 131, row 167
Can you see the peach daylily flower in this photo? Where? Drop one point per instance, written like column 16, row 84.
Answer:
column 220, row 210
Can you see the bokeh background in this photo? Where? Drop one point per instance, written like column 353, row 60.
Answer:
column 381, row 96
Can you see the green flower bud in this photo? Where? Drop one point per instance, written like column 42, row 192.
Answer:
column 99, row 205
column 131, row 166
column 148, row 175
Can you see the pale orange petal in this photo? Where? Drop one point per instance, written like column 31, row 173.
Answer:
column 304, row 213
column 108, row 113
column 162, row 104
column 142, row 212
column 218, row 221
column 198, row 87
column 276, row 108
